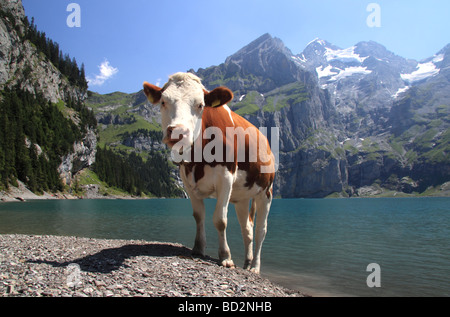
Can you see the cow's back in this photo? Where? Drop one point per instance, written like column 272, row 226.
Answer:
column 223, row 118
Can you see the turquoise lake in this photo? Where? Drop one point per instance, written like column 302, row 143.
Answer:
column 319, row 246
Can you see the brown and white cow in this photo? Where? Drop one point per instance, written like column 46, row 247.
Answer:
column 237, row 173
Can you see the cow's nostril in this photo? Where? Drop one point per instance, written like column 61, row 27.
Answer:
column 169, row 131
column 177, row 132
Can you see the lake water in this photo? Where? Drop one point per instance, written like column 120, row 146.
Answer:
column 319, row 246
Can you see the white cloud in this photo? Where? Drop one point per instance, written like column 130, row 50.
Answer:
column 106, row 72
column 158, row 82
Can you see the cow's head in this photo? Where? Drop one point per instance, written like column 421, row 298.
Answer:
column 182, row 101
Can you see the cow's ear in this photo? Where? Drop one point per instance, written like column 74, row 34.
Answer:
column 218, row 97
column 152, row 92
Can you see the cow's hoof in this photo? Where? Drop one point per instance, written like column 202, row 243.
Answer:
column 227, row 263
column 198, row 253
column 247, row 265
column 254, row 270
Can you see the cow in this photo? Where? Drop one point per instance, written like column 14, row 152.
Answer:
column 234, row 174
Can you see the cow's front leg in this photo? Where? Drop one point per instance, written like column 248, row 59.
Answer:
column 199, row 212
column 200, row 237
column 223, row 189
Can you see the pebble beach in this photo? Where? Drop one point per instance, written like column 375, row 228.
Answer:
column 56, row 266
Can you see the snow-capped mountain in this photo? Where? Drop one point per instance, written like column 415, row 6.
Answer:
column 353, row 122
column 351, row 119
column 365, row 75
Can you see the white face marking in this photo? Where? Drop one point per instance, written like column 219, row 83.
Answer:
column 182, row 105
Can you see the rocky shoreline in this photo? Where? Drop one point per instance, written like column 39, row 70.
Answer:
column 22, row 193
column 54, row 266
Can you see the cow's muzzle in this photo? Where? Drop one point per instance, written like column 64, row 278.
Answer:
column 175, row 134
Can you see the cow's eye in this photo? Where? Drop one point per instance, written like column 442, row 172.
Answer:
column 163, row 104
column 200, row 106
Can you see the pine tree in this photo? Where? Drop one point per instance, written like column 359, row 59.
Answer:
column 83, row 82
column 3, row 123
column 32, row 179
column 74, row 72
column 24, row 116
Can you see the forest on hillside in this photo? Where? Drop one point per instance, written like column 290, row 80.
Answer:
column 131, row 173
column 34, row 135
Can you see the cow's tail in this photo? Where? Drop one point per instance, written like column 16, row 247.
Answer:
column 251, row 215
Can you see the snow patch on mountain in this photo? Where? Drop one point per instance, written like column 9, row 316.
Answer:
column 344, row 55
column 438, row 58
column 325, row 72
column 423, row 71
column 337, row 73
column 317, row 40
column 400, row 91
column 350, row 71
column 299, row 60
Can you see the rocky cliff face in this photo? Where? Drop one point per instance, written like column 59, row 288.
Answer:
column 277, row 91
column 82, row 156
column 21, row 65
column 354, row 122
column 351, row 120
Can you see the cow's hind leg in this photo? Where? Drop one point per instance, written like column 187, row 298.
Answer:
column 263, row 202
column 246, row 222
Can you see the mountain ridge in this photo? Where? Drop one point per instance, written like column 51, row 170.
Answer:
column 358, row 130
column 356, row 121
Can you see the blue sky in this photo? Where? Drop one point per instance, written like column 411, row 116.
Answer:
column 123, row 43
